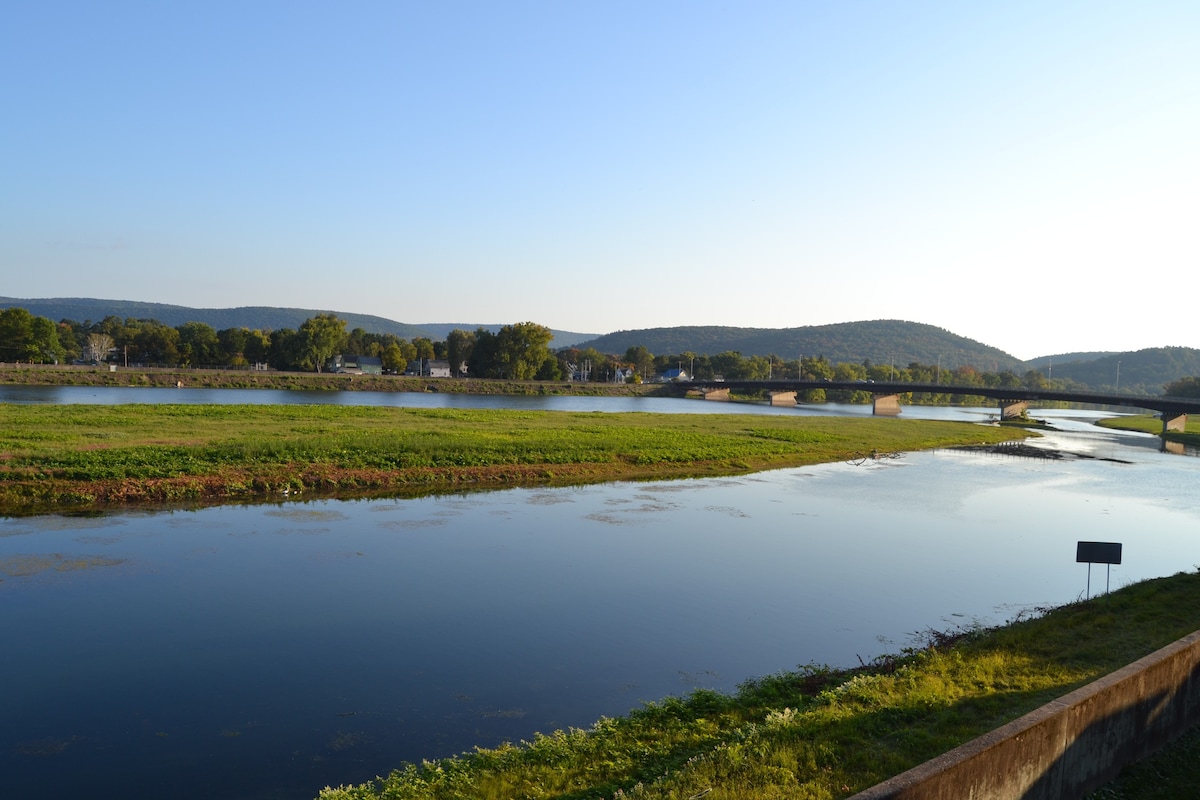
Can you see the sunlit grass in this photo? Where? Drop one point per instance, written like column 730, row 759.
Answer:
column 151, row 451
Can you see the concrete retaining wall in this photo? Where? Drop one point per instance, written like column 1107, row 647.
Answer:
column 1070, row 746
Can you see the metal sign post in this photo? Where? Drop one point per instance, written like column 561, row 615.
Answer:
column 1098, row 553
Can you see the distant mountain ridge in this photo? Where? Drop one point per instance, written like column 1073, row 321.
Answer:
column 879, row 341
column 1066, row 358
column 85, row 309
column 1137, row 372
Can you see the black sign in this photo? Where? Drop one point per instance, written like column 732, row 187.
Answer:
column 1098, row 552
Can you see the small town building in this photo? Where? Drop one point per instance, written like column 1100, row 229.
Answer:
column 348, row 364
column 674, row 375
column 429, row 368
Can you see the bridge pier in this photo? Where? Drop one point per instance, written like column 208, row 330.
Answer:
column 885, row 404
column 716, row 394
column 783, row 398
column 1013, row 409
column 1174, row 421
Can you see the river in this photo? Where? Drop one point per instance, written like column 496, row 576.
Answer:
column 266, row 651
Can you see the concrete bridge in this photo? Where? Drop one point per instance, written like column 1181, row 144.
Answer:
column 1014, row 401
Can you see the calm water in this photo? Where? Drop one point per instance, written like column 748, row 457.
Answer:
column 59, row 395
column 266, row 651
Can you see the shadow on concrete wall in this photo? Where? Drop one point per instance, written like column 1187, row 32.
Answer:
column 1101, row 750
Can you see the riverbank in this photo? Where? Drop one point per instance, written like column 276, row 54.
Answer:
column 820, row 733
column 58, row 458
column 103, row 375
column 1152, row 423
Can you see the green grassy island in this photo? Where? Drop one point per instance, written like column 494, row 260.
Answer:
column 70, row 457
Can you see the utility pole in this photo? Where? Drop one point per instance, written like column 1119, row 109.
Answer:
column 1119, row 377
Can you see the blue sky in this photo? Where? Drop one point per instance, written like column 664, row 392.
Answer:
column 1026, row 174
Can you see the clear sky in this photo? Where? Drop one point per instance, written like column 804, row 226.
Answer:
column 1026, row 174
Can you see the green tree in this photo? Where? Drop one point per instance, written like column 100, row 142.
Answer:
column 24, row 337
column 46, row 342
column 394, row 357
column 199, row 345
column 1034, row 379
column 69, row 340
column 1008, row 380
column 522, row 349
column 232, row 342
column 424, row 347
column 154, row 343
column 847, row 371
column 642, row 360
column 287, row 349
column 258, row 347
column 459, row 344
column 484, row 359
column 757, row 368
column 16, row 334
column 552, row 369
column 1184, row 387
column 321, row 337
column 361, row 343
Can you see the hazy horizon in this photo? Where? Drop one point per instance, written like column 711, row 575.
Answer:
column 574, row 333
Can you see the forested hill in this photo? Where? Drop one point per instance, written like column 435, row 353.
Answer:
column 1042, row 362
column 1137, row 372
column 266, row 318
column 881, row 341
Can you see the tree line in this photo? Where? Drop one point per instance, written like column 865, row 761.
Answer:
column 520, row 351
column 734, row 366
column 515, row 352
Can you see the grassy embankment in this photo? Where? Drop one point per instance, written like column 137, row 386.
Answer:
column 55, row 375
column 63, row 457
column 820, row 734
column 1151, row 423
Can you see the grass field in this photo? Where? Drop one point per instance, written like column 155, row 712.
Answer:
column 55, row 457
